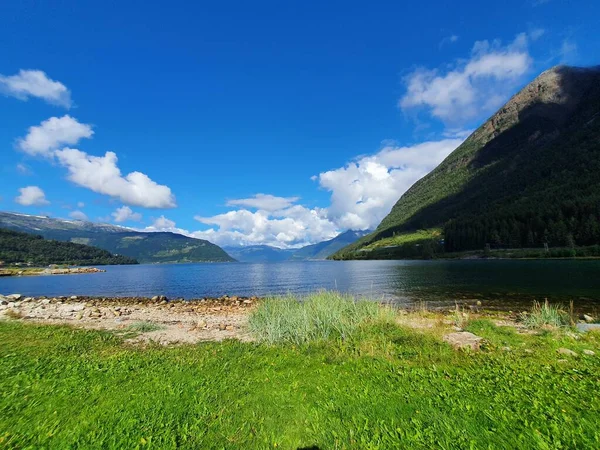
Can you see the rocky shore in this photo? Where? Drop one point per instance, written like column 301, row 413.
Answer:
column 162, row 320
column 48, row 271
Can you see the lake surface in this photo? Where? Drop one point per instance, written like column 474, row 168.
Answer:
column 501, row 283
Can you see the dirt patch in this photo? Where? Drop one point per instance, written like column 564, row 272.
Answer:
column 156, row 319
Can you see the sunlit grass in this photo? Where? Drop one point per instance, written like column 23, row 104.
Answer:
column 545, row 314
column 319, row 316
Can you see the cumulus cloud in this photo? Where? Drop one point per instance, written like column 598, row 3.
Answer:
column 78, row 215
column 362, row 194
column 463, row 93
column 265, row 202
column 162, row 224
column 31, row 196
column 50, row 134
column 293, row 226
column 101, row 174
column 125, row 213
column 35, row 83
column 364, row 191
column 80, row 204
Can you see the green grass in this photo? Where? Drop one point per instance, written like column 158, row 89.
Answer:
column 546, row 314
column 321, row 316
column 412, row 237
column 381, row 387
column 144, row 327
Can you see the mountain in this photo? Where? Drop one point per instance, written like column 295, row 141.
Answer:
column 144, row 246
column 321, row 250
column 259, row 253
column 18, row 247
column 324, row 249
column 529, row 176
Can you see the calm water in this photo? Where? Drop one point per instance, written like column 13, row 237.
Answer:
column 498, row 282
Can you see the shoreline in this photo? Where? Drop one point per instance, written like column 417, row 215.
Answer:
column 38, row 271
column 166, row 321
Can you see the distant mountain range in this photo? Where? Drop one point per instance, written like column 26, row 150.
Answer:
column 319, row 251
column 145, row 247
column 529, row 176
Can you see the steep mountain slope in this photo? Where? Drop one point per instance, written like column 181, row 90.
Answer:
column 259, row 253
column 324, row 249
column 18, row 247
column 529, row 175
column 145, row 247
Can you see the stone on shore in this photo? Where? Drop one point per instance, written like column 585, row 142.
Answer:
column 583, row 327
column 463, row 340
column 567, row 352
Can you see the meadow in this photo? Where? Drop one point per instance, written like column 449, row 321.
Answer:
column 372, row 383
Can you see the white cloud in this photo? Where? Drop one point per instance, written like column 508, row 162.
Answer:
column 101, row 174
column 293, row 226
column 31, row 196
column 23, row 169
column 265, row 202
column 448, row 40
column 78, row 215
column 459, row 95
column 35, row 83
column 567, row 51
column 80, row 204
column 52, row 133
column 125, row 213
column 364, row 191
column 362, row 194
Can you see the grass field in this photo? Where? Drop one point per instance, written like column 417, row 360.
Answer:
column 379, row 386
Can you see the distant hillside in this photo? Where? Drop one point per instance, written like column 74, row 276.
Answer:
column 321, row 250
column 259, row 253
column 324, row 249
column 145, row 247
column 528, row 176
column 18, row 247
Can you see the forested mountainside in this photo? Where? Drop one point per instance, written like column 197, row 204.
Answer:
column 529, row 176
column 16, row 247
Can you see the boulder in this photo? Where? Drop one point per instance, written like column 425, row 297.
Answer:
column 589, row 352
column 463, row 340
column 588, row 318
column 14, row 297
column 583, row 327
column 566, row 351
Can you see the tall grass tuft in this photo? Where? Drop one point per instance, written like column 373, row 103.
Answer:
column 320, row 316
column 546, row 314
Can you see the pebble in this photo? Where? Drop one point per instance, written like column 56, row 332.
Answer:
column 46, row 301
column 506, row 349
column 589, row 352
column 73, row 297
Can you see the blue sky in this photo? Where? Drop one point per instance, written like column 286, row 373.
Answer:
column 257, row 122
